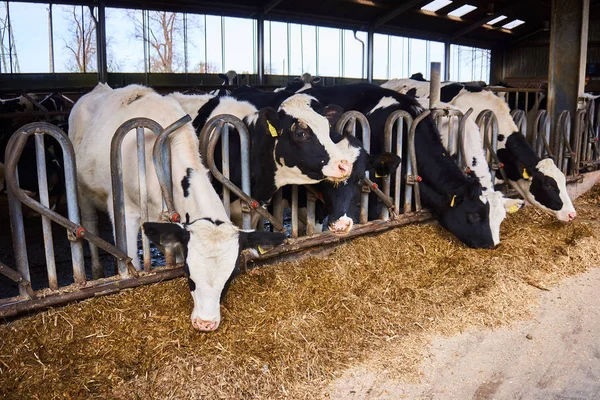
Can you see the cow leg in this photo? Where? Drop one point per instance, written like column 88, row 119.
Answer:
column 89, row 220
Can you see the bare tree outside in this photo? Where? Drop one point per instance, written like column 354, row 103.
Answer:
column 81, row 40
column 207, row 68
column 163, row 30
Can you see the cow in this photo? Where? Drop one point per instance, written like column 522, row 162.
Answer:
column 455, row 199
column 419, row 88
column 231, row 79
column 207, row 242
column 300, row 83
column 475, row 159
column 308, row 147
column 539, row 181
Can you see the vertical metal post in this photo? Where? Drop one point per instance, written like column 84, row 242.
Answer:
column 40, row 155
column 225, row 166
column 370, row 45
column 143, row 184
column 568, row 54
column 205, row 47
column 101, row 43
column 317, row 51
column 50, row 39
column 310, row 213
column 289, row 48
column 18, row 233
column 294, row 211
column 185, row 47
column 434, row 86
column 260, row 48
column 278, row 205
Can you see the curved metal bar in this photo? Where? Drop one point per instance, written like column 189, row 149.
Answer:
column 461, row 138
column 564, row 151
column 348, row 120
column 162, row 163
column 396, row 119
column 116, row 174
column 412, row 171
column 210, row 135
column 520, row 119
column 486, row 121
column 14, row 150
column 540, row 141
column 438, row 114
column 580, row 134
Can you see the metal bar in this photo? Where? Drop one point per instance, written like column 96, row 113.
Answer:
column 310, row 212
column 260, row 51
column 15, row 276
column 101, row 58
column 370, row 50
column 579, row 136
column 294, row 211
column 21, row 306
column 278, row 206
column 390, row 15
column 225, row 166
column 209, row 137
column 40, row 154
column 143, row 185
column 447, row 53
column 50, row 38
column 412, row 171
column 434, row 85
column 397, row 119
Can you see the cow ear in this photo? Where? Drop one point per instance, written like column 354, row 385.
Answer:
column 384, row 164
column 269, row 121
column 265, row 240
column 333, row 113
column 166, row 234
column 222, row 76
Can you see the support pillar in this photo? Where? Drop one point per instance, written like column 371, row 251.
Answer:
column 497, row 65
column 370, row 45
column 568, row 55
column 447, row 60
column 260, row 50
column 101, row 44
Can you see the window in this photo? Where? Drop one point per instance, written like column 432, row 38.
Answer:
column 436, row 5
column 74, row 39
column 354, row 54
column 469, row 64
column 25, row 41
column 497, row 19
column 380, row 56
column 462, row 10
column 239, row 49
column 328, row 51
column 513, row 24
column 276, row 59
column 124, row 41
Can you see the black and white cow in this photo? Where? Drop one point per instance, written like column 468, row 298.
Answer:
column 210, row 244
column 456, row 199
column 539, row 181
column 420, row 88
column 231, row 78
column 300, row 83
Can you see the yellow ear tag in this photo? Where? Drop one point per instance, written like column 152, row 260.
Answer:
column 525, row 174
column 261, row 250
column 272, row 129
column 452, row 201
column 513, row 209
column 380, row 176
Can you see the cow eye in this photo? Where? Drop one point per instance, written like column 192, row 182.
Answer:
column 300, row 134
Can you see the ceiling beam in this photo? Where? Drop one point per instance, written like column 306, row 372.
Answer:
column 271, row 5
column 406, row 6
column 471, row 27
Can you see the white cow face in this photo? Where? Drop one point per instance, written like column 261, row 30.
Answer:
column 211, row 251
column 546, row 188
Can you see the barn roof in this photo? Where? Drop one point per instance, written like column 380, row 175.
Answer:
column 404, row 18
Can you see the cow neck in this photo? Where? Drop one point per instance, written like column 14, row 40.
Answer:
column 521, row 150
column 192, row 191
column 263, row 166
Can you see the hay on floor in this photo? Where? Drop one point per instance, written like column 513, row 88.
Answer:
column 289, row 330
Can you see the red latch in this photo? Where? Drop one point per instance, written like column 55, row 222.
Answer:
column 175, row 217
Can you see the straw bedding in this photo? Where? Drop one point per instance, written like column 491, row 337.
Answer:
column 289, row 330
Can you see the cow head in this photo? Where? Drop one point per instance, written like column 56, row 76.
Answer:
column 545, row 187
column 231, row 78
column 303, row 151
column 465, row 213
column 211, row 250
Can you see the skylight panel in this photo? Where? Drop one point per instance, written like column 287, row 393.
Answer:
column 513, row 24
column 436, row 5
column 497, row 19
column 462, row 10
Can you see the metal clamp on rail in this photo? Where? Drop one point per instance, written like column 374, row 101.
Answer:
column 396, row 120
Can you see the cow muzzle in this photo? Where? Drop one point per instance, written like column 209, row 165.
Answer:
column 204, row 326
column 566, row 216
column 342, row 226
column 338, row 172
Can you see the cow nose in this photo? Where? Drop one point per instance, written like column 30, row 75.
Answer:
column 205, row 326
column 345, row 167
column 572, row 215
